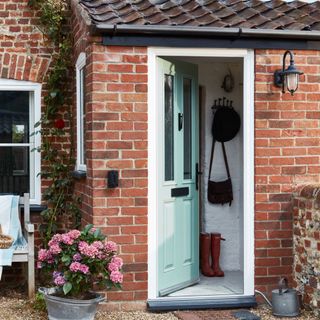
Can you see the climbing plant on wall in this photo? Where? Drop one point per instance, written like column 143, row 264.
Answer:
column 55, row 126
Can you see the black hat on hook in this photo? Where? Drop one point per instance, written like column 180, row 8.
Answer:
column 226, row 122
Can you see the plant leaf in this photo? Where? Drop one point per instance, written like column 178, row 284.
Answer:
column 97, row 233
column 66, row 259
column 67, row 288
column 87, row 228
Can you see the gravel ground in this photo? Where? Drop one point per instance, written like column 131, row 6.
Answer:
column 14, row 306
column 265, row 313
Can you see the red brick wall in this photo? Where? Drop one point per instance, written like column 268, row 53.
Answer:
column 24, row 53
column 82, row 40
column 286, row 156
column 118, row 132
column 116, row 139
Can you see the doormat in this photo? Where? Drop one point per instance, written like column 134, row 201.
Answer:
column 212, row 314
column 245, row 315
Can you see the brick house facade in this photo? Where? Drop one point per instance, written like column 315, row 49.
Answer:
column 285, row 147
column 117, row 127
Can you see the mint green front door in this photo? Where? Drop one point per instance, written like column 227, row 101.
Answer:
column 178, row 215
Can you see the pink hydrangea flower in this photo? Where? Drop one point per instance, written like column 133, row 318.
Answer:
column 110, row 246
column 42, row 255
column 66, row 239
column 88, row 250
column 59, row 281
column 98, row 245
column 84, row 268
column 54, row 249
column 118, row 261
column 79, row 267
column 39, row 265
column 113, row 267
column 56, row 239
column 74, row 234
column 101, row 255
column 116, row 276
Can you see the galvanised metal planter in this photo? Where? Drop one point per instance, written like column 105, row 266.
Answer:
column 60, row 308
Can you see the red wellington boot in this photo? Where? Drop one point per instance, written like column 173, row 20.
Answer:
column 215, row 254
column 205, row 254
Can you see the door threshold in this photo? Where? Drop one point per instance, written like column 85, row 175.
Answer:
column 193, row 303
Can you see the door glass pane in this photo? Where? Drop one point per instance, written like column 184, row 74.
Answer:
column 168, row 128
column 14, row 117
column 187, row 136
column 14, row 170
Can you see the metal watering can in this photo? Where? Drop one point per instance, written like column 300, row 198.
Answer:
column 285, row 301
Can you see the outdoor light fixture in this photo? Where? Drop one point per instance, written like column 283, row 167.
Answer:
column 287, row 77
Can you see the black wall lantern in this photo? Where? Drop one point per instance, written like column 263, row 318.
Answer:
column 287, row 77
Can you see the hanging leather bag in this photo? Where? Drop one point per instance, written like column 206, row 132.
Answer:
column 220, row 192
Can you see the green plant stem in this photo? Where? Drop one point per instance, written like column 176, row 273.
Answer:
column 57, row 162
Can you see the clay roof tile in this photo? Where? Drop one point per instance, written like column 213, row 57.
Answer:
column 254, row 14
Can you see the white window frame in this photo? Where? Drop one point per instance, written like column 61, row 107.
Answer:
column 80, row 64
column 34, row 140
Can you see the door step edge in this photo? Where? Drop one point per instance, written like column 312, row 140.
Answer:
column 202, row 303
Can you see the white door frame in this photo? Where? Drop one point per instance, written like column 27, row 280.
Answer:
column 154, row 156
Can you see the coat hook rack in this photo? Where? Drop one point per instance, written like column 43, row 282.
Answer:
column 222, row 102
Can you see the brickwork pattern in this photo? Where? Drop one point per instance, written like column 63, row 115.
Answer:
column 117, row 115
column 286, row 156
column 81, row 43
column 116, row 139
column 24, row 51
column 25, row 54
column 306, row 241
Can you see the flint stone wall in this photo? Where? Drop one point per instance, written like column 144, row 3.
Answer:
column 306, row 241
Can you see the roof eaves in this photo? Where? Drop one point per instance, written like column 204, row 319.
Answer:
column 122, row 29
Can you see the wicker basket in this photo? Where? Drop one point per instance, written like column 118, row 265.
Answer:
column 5, row 240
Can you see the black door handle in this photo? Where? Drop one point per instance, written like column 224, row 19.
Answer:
column 180, row 121
column 197, row 175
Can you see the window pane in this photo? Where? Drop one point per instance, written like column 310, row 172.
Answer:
column 14, row 170
column 82, row 117
column 14, row 117
column 187, row 131
column 168, row 129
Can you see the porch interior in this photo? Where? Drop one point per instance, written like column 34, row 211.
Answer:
column 216, row 218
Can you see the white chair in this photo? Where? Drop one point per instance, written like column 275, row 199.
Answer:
column 26, row 254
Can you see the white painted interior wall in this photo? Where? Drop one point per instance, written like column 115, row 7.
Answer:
column 217, row 218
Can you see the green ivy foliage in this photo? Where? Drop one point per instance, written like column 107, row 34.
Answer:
column 58, row 162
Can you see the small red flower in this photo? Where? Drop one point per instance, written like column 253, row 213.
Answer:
column 59, row 124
